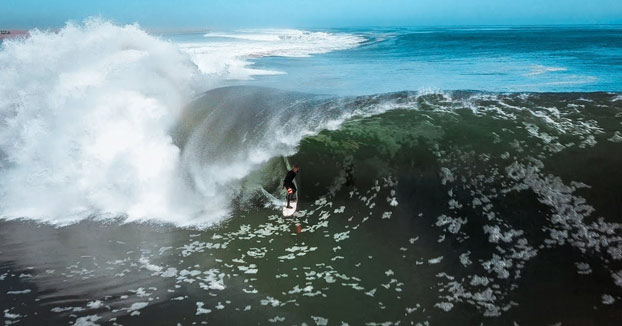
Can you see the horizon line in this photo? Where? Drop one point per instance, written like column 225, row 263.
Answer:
column 205, row 28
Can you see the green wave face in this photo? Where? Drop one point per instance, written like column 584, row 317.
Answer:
column 492, row 184
column 474, row 132
column 465, row 197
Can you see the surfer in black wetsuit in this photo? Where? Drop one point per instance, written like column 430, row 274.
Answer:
column 288, row 183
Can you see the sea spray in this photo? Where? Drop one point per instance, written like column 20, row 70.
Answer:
column 85, row 118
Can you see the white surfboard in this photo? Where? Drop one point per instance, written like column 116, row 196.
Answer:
column 289, row 211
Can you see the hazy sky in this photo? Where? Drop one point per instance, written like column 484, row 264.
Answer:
column 310, row 13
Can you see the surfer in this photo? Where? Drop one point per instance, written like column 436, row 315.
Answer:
column 288, row 183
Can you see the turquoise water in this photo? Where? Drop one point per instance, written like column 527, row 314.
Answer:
column 499, row 59
column 449, row 176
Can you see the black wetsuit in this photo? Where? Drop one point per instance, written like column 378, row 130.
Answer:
column 288, row 183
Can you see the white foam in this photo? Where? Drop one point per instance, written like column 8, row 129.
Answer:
column 607, row 299
column 446, row 306
column 87, row 320
column 229, row 55
column 201, row 310
column 95, row 304
column 86, row 112
column 616, row 138
column 540, row 69
column 9, row 315
column 320, row 321
column 137, row 306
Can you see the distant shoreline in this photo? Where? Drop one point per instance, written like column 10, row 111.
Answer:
column 10, row 33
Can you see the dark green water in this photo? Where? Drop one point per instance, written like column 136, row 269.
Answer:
column 436, row 209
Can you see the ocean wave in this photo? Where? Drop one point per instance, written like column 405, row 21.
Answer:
column 85, row 113
column 104, row 128
column 231, row 58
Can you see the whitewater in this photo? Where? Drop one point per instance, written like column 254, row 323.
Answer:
column 449, row 176
column 86, row 114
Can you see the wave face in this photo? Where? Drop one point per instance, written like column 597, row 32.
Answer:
column 85, row 118
column 492, row 188
column 487, row 182
column 87, row 113
column 229, row 134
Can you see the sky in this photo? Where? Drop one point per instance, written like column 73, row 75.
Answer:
column 187, row 14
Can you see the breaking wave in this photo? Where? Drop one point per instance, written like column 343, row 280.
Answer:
column 228, row 55
column 86, row 113
column 115, row 124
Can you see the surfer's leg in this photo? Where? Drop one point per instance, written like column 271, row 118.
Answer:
column 290, row 193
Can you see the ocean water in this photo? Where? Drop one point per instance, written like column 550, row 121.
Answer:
column 449, row 176
column 496, row 59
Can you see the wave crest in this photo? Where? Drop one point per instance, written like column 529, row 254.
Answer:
column 85, row 117
column 228, row 55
